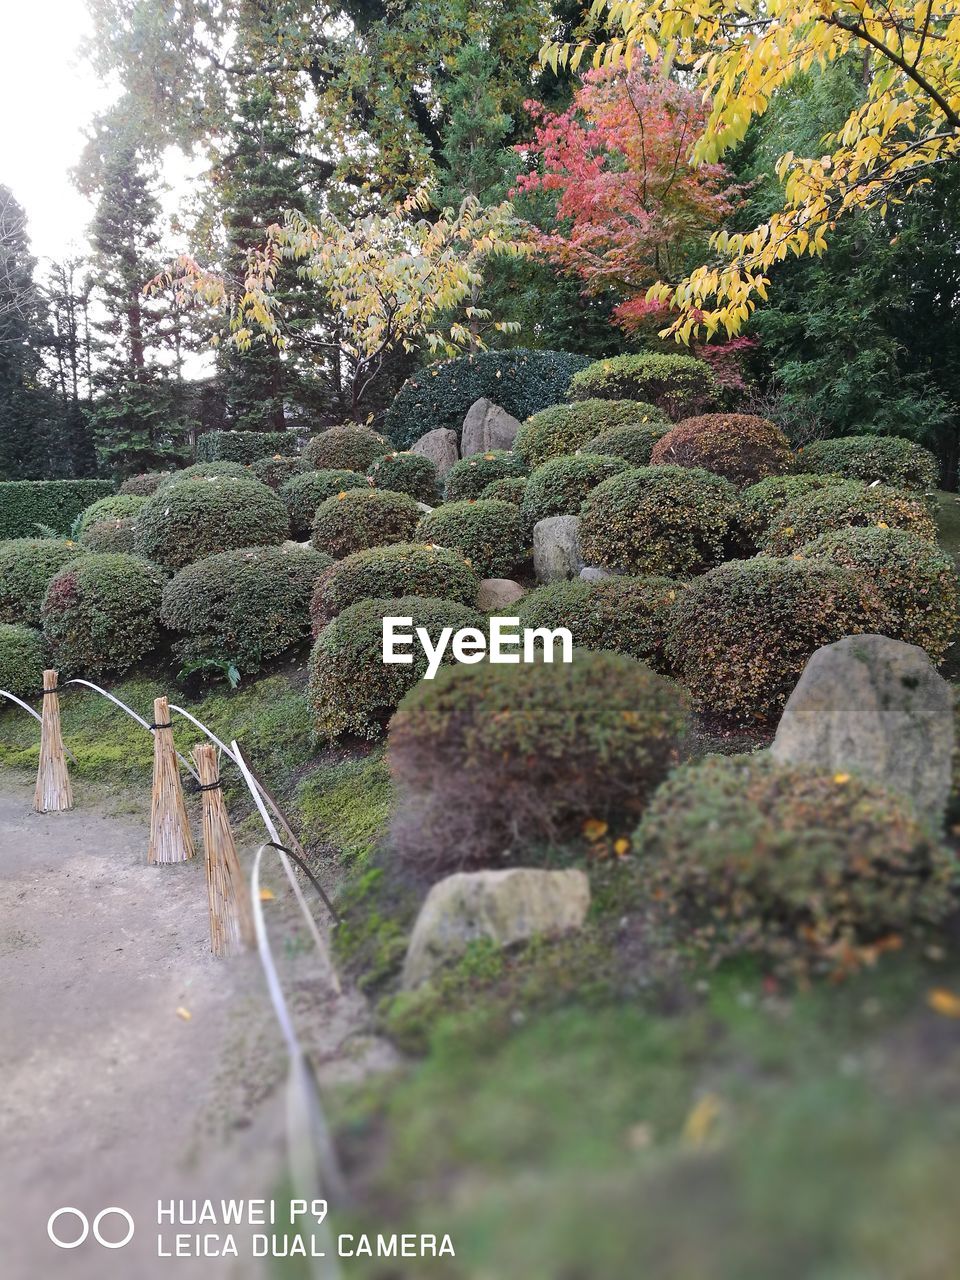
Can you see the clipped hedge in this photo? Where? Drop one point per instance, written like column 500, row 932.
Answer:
column 305, row 492
column 521, row 381
column 507, row 489
column 892, row 460
column 356, row 519
column 470, row 476
column 558, row 487
column 276, row 470
column 407, row 473
column 633, row 442
column 26, row 504
column 242, row 446
column 196, row 518
column 346, row 448
column 21, row 660
column 246, row 606
column 493, row 759
column 144, row 483
column 672, row 521
column 808, row 870
column 680, row 386
column 739, row 446
column 116, row 506
column 111, row 535
column 763, row 502
column 490, row 535
column 565, row 428
column 26, row 567
column 351, row 689
column 206, row 471
column 404, row 569
column 847, row 504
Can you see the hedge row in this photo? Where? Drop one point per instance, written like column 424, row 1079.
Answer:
column 25, row 504
column 242, row 446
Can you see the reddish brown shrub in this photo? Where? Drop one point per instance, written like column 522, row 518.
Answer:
column 740, row 446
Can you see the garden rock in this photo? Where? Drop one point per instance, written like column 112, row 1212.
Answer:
column 498, row 593
column 876, row 707
column 556, row 551
column 503, row 907
column 487, row 427
column 440, row 446
column 590, row 573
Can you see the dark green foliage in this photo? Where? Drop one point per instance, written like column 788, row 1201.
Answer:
column 356, row 519
column 746, row 855
column 889, row 459
column 245, row 607
column 113, row 507
column 558, row 487
column 26, row 567
column 276, row 470
column 635, row 443
column 119, row 534
column 506, row 489
column 25, row 504
column 491, row 535
column 847, row 504
column 742, row 634
column 763, row 502
column 407, row 473
column 404, row 569
column 305, row 492
column 193, row 519
column 346, row 448
column 663, row 520
column 470, row 476
column 101, row 614
column 522, row 382
column 565, row 428
column 206, row 471
column 495, row 759
column 21, row 661
column 680, row 386
column 242, row 446
column 352, row 690
column 144, row 482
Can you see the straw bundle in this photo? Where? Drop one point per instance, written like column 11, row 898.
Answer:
column 170, row 838
column 53, row 793
column 231, row 920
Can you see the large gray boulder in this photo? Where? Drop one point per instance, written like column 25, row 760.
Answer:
column 556, row 549
column 440, row 446
column 498, row 593
column 877, row 707
column 487, row 427
column 502, row 906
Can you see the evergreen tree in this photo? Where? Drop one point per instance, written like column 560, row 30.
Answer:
column 67, row 293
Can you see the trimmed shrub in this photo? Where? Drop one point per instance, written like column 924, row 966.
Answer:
column 811, row 871
column 634, row 443
column 506, row 489
column 404, row 569
column 494, row 759
column 356, row 519
column 407, row 473
column 196, row 518
column 847, row 504
column 276, row 470
column 111, row 535
column 245, row 606
column 662, row 520
column 242, row 446
column 352, row 690
column 626, row 615
column 520, row 381
column 206, row 471
column 741, row 635
column 305, row 493
column 144, row 483
column 114, row 507
column 489, row 534
column 21, row 660
column 916, row 582
column 892, row 460
column 101, row 614
column 470, row 476
column 763, row 502
column 740, row 446
column 27, row 566
column 346, row 448
column 27, row 504
column 565, row 428
column 678, row 385
column 558, row 487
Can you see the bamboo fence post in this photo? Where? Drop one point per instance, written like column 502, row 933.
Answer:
column 170, row 838
column 231, row 919
column 53, row 792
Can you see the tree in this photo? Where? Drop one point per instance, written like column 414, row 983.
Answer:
column 66, row 290
column 740, row 53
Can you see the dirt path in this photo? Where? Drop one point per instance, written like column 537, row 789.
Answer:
column 108, row 1096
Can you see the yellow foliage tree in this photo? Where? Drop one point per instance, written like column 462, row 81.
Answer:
column 740, row 52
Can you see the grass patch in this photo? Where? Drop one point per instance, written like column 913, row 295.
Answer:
column 347, row 804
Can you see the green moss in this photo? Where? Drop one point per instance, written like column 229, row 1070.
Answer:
column 347, row 805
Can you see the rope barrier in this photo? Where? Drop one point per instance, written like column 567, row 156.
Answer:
column 36, row 715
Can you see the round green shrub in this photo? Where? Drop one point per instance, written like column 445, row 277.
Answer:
column 522, row 382
column 356, row 519
column 493, row 759
column 111, row 535
column 627, row 615
column 506, row 489
column 144, row 483
column 565, row 428
column 276, row 470
column 763, row 502
column 407, row 473
column 558, row 487
column 808, row 870
column 205, row 471
column 115, row 507
column 892, row 460
column 916, row 582
column 490, row 535
column 634, row 443
column 245, row 606
column 26, row 567
column 352, row 690
column 741, row 635
column 739, row 446
column 21, row 660
column 346, row 448
column 404, row 569
column 470, row 476
column 101, row 614
column 680, row 386
column 662, row 520
column 305, row 493
column 847, row 504
column 196, row 518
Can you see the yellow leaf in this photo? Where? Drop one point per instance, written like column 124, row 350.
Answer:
column 621, row 847
column 183, row 1013
column 702, row 1119
column 595, row 829
column 266, row 895
column 841, row 779
column 944, row 1002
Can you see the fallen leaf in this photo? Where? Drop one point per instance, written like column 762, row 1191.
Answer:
column 702, row 1119
column 944, row 1002
column 621, row 847
column 841, row 779
column 183, row 1013
column 595, row 829
column 266, row 895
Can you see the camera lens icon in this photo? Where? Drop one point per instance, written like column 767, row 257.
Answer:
column 84, row 1227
